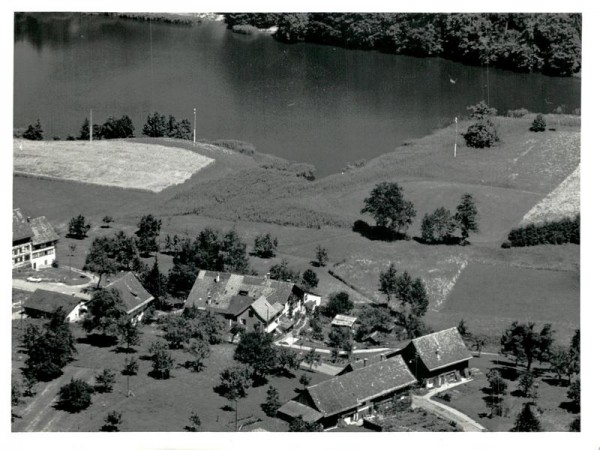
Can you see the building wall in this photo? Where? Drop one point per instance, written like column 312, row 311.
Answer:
column 43, row 257
column 77, row 314
column 21, row 254
column 249, row 320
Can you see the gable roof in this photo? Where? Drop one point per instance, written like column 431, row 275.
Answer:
column 296, row 409
column 132, row 292
column 347, row 391
column 441, row 349
column 42, row 231
column 21, row 227
column 342, row 320
column 239, row 304
column 215, row 290
column 49, row 301
column 265, row 311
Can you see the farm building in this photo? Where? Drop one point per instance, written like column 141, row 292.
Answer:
column 438, row 358
column 34, row 241
column 354, row 395
column 341, row 320
column 133, row 294
column 247, row 300
column 43, row 303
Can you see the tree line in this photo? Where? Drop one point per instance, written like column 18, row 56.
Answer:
column 547, row 43
column 557, row 232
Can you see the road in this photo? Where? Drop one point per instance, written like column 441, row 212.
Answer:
column 25, row 285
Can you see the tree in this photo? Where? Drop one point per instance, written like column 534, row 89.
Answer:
column 312, row 358
column 479, row 343
column 310, row 280
column 527, row 385
column 179, row 130
column 576, row 424
column 272, row 403
column 411, row 326
column 283, row 272
column 564, row 362
column 49, row 349
column 162, row 360
column 199, row 351
column 497, row 384
column 305, row 380
column 339, row 303
column 123, row 250
column 105, row 380
column 387, row 282
column 155, row 126
column 257, row 350
column 84, row 132
column 340, row 337
column 99, row 259
column 526, row 420
column 34, row 132
column 481, row 111
column 388, row 207
column 265, row 245
column 112, row 421
column 287, row 360
column 412, row 295
column 466, row 216
column 156, row 283
column 574, row 394
column 78, row 227
column 481, row 134
column 107, row 220
column 195, row 422
column 462, row 329
column 129, row 333
column 15, row 393
column 438, row 226
column 299, row 425
column 521, row 341
column 321, row 255
column 373, row 318
column 147, row 233
column 538, row 124
column 75, row 396
column 105, row 313
column 234, row 384
column 117, row 128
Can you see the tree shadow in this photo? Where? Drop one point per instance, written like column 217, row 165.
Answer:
column 518, row 393
column 120, row 349
column 98, row 340
column 570, row 407
column 449, row 241
column 556, row 382
column 227, row 408
column 284, row 373
column 258, row 381
column 375, row 233
column 159, row 375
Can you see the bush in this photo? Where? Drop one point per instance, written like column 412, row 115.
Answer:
column 557, row 232
column 75, row 396
column 506, row 244
column 34, row 132
column 112, row 421
column 517, row 113
column 245, row 148
column 105, row 380
column 244, row 29
column 538, row 124
column 482, row 134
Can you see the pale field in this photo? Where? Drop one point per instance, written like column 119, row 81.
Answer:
column 560, row 203
column 108, row 163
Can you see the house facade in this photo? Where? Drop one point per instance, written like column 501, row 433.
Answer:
column 249, row 301
column 438, row 358
column 34, row 242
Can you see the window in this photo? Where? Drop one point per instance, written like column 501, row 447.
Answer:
column 243, row 321
column 251, row 313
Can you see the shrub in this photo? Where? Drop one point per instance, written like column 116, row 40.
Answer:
column 34, row 132
column 75, row 396
column 517, row 113
column 245, row 148
column 105, row 380
column 244, row 29
column 482, row 134
column 506, row 244
column 557, row 232
column 538, row 124
column 112, row 421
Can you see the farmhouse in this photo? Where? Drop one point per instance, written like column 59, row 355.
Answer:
column 350, row 397
column 249, row 301
column 133, row 294
column 438, row 358
column 43, row 303
column 34, row 241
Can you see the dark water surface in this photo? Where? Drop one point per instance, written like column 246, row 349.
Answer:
column 323, row 105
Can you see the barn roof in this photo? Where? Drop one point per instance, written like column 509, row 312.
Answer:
column 441, row 349
column 49, row 301
column 42, row 231
column 21, row 226
column 294, row 409
column 220, row 288
column 132, row 292
column 342, row 320
column 347, row 391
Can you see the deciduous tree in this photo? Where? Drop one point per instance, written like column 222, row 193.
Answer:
column 310, row 280
column 466, row 216
column 389, row 208
column 105, row 313
column 75, row 396
column 387, row 282
column 34, row 132
column 272, row 403
column 112, row 421
column 521, row 341
column 257, row 350
column 322, row 256
column 78, row 227
column 105, row 380
column 265, row 245
column 162, row 360
column 438, row 226
column 339, row 303
column 147, row 233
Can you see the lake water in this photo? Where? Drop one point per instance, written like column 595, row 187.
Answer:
column 318, row 104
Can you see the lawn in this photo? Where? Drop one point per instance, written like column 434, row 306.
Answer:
column 158, row 405
column 553, row 412
column 490, row 297
column 116, row 163
column 53, row 275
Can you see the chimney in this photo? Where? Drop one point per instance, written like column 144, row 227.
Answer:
column 437, row 354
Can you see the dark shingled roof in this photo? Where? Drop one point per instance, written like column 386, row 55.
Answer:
column 441, row 349
column 347, row 391
column 293, row 409
column 21, row 228
column 49, row 301
column 132, row 292
column 229, row 285
column 42, row 231
column 239, row 304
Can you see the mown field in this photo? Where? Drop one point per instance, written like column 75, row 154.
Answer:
column 157, row 405
column 108, row 163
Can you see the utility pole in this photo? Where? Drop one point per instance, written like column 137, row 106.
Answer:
column 194, row 127
column 456, row 135
column 91, row 128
